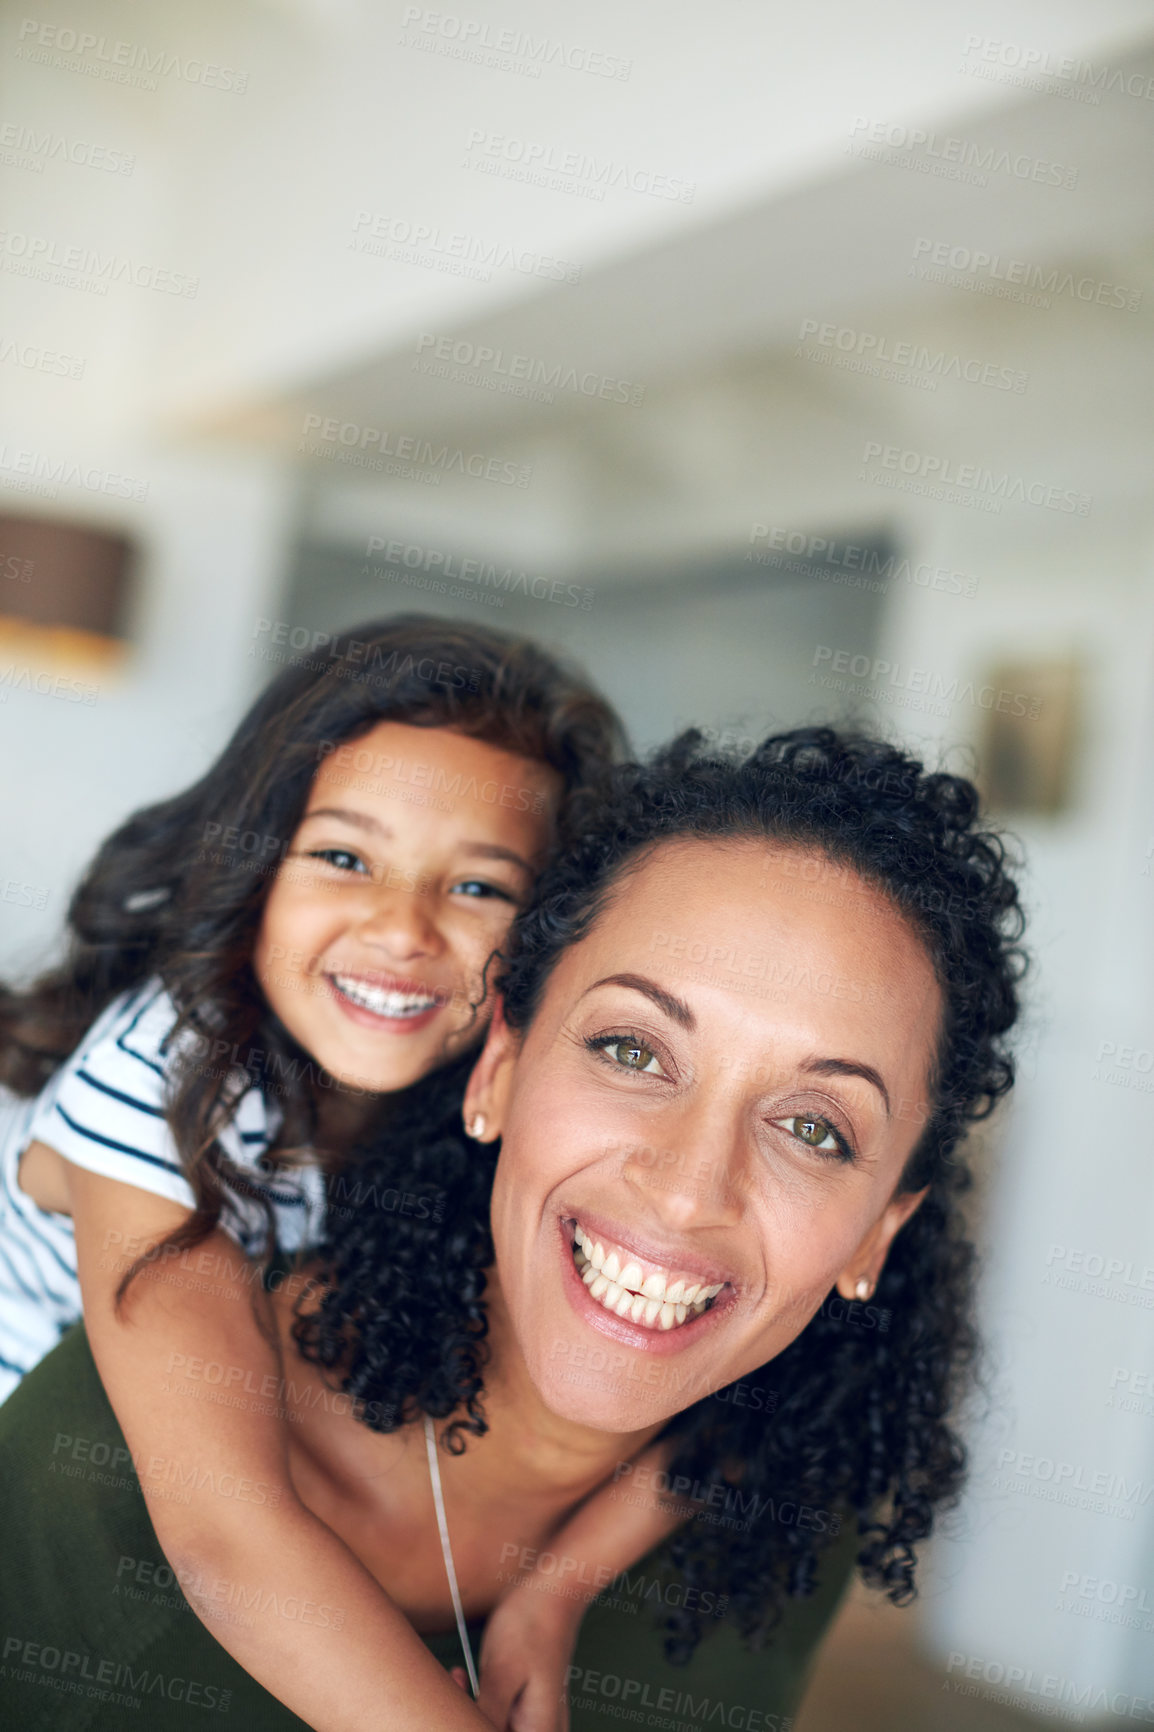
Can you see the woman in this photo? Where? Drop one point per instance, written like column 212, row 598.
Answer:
column 747, row 1018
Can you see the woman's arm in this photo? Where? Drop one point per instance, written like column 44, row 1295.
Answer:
column 215, row 1476
column 531, row 1634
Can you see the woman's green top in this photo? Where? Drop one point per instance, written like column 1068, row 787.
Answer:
column 95, row 1633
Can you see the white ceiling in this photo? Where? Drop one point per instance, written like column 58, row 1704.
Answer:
column 256, row 193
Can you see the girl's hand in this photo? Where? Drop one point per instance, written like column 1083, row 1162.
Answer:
column 525, row 1655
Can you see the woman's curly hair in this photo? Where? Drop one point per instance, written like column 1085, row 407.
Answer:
column 852, row 1419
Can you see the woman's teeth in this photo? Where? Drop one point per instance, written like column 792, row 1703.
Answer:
column 656, row 1301
column 380, row 1001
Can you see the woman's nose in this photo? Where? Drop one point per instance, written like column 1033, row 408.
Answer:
column 691, row 1177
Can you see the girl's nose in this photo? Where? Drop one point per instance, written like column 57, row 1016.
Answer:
column 403, row 923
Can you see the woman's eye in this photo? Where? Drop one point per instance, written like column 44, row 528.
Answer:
column 817, row 1134
column 630, row 1054
column 342, row 858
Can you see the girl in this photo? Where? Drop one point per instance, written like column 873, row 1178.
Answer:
column 258, row 968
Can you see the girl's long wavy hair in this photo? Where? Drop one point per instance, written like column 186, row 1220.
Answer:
column 854, row 1418
column 177, row 892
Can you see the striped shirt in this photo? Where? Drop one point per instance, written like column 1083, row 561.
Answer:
column 105, row 1110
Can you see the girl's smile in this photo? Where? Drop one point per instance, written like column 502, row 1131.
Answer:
column 384, row 1001
column 398, row 886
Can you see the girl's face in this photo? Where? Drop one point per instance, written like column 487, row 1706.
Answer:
column 704, row 1128
column 416, row 848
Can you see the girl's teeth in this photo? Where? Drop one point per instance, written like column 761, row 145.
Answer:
column 381, row 1002
column 652, row 1300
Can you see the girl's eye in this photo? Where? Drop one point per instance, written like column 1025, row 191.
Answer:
column 817, row 1134
column 342, row 858
column 476, row 887
column 630, row 1054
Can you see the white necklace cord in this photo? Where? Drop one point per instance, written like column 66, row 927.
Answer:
column 447, row 1554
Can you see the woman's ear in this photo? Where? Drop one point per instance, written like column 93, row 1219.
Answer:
column 488, row 1090
column 859, row 1278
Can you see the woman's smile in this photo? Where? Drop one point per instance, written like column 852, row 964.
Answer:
column 656, row 1299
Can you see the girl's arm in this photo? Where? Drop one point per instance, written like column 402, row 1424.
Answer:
column 215, row 1476
column 531, row 1634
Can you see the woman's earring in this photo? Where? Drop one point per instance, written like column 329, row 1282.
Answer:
column 476, row 1127
column 863, row 1287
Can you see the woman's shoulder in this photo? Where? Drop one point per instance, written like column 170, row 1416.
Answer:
column 620, row 1661
column 94, row 1620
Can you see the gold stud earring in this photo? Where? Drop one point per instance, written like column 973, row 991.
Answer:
column 476, row 1127
column 863, row 1287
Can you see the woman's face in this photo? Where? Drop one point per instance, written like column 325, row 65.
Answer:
column 712, row 1107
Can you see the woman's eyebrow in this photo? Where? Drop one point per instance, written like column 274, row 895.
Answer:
column 850, row 1067
column 673, row 1007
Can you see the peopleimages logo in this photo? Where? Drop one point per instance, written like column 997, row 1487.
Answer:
column 925, row 682
column 509, row 49
column 348, row 441
column 1046, row 70
column 403, row 241
column 82, row 267
column 494, row 369
column 37, row 360
column 952, row 158
column 1024, row 1681
column 74, row 50
column 872, row 350
column 60, row 472
column 807, row 553
column 928, row 471
column 573, row 171
column 37, row 148
column 1106, row 1592
column 1040, row 280
column 1097, row 1490
column 438, row 563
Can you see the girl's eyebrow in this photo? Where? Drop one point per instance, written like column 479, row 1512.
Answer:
column 494, row 851
column 365, row 821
